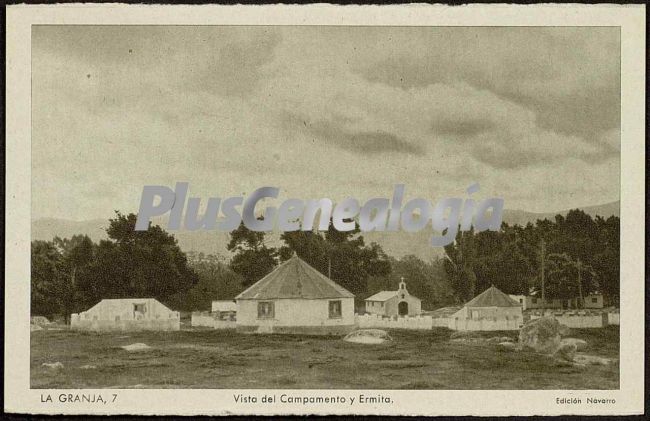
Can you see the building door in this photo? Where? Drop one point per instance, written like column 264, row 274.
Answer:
column 403, row 308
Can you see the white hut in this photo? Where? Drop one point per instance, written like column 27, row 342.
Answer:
column 296, row 298
column 126, row 314
column 490, row 310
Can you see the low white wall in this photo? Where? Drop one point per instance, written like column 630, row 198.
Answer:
column 441, row 321
column 207, row 319
column 614, row 318
column 78, row 323
column 578, row 321
column 370, row 321
column 485, row 324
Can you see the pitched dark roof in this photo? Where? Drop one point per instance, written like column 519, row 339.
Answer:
column 294, row 279
column 492, row 297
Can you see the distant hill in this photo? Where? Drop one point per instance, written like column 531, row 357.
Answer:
column 521, row 217
column 396, row 244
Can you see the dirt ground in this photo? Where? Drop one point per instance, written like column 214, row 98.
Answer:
column 214, row 359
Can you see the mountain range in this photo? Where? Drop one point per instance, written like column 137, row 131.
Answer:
column 395, row 244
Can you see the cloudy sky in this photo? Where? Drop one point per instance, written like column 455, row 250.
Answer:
column 532, row 114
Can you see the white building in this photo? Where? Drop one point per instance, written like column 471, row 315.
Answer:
column 296, row 298
column 126, row 314
column 490, row 310
column 394, row 303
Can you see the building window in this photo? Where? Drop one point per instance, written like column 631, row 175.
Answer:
column 521, row 300
column 402, row 296
column 139, row 310
column 335, row 309
column 594, row 300
column 265, row 310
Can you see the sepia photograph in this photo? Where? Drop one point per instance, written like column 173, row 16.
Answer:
column 321, row 211
column 529, row 114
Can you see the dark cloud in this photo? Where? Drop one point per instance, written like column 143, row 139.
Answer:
column 223, row 61
column 463, row 128
column 364, row 142
column 568, row 77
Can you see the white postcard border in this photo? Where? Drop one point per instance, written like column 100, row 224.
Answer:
column 629, row 399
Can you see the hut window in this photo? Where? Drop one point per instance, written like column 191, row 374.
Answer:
column 335, row 309
column 265, row 310
column 594, row 300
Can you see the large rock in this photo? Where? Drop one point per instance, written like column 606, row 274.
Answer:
column 579, row 343
column 542, row 335
column 566, row 352
column 508, row 345
column 368, row 336
column 39, row 320
column 53, row 366
column 136, row 347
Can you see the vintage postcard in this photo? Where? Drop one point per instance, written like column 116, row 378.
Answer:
column 391, row 210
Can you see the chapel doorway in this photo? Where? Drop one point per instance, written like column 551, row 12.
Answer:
column 403, row 308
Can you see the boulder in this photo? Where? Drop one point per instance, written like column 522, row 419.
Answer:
column 87, row 367
column 33, row 328
column 136, row 347
column 566, row 352
column 541, row 335
column 368, row 336
column 564, row 330
column 54, row 366
column 579, row 343
column 508, row 345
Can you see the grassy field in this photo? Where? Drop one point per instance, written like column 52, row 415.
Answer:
column 226, row 359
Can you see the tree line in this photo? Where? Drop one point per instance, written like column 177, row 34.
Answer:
column 71, row 275
column 579, row 255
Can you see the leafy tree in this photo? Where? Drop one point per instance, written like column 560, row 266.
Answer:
column 46, row 282
column 216, row 282
column 253, row 259
column 341, row 255
column 139, row 263
column 77, row 254
column 459, row 265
